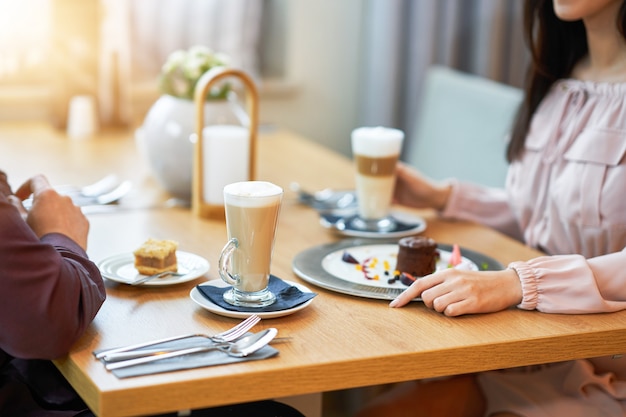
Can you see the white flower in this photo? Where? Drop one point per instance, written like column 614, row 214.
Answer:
column 182, row 69
column 176, row 59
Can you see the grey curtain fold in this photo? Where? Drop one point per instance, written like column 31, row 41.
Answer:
column 159, row 27
column 402, row 38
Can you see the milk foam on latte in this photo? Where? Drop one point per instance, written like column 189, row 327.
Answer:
column 376, row 151
column 377, row 141
column 252, row 209
column 239, row 193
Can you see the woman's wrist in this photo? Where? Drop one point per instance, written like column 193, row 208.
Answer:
column 528, row 284
column 517, row 292
column 441, row 196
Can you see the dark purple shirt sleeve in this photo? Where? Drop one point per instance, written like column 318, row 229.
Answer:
column 49, row 290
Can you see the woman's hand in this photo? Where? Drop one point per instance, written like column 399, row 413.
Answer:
column 414, row 190
column 52, row 212
column 455, row 292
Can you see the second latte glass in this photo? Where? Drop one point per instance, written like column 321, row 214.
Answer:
column 376, row 151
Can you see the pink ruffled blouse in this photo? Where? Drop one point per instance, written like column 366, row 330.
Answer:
column 567, row 197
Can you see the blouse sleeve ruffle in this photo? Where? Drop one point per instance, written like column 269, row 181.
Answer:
column 571, row 284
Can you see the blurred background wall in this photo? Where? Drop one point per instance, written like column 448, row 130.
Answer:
column 324, row 67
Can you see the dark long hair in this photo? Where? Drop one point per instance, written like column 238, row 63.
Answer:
column 555, row 47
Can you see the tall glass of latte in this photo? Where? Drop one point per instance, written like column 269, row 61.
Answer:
column 252, row 209
column 376, row 151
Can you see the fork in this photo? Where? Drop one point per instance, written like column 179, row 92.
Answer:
column 142, row 353
column 105, row 196
column 110, row 196
column 157, row 275
column 226, row 336
column 102, row 186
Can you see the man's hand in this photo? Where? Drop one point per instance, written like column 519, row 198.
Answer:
column 52, row 212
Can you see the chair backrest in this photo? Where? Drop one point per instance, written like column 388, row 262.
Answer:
column 463, row 127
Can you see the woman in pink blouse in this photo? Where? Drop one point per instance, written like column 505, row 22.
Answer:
column 565, row 195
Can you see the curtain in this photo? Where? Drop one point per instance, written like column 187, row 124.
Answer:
column 402, row 38
column 52, row 50
column 24, row 34
column 137, row 36
column 159, row 27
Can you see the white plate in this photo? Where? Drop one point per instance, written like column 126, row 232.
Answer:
column 406, row 225
column 121, row 268
column 322, row 266
column 204, row 302
column 376, row 264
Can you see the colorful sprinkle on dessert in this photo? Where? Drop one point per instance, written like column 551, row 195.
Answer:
column 406, row 278
column 346, row 257
column 366, row 266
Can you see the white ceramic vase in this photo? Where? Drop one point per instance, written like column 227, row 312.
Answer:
column 164, row 139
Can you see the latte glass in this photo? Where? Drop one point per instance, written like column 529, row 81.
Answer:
column 376, row 151
column 252, row 209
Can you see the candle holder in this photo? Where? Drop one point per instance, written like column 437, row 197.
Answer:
column 204, row 175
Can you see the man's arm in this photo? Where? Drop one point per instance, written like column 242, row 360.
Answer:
column 50, row 290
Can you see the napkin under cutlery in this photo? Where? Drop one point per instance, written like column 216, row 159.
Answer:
column 287, row 296
column 196, row 360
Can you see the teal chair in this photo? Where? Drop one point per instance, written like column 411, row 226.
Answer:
column 463, row 127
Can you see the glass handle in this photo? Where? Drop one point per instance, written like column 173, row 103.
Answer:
column 224, row 263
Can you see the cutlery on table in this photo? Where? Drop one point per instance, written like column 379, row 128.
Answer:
column 102, row 186
column 157, row 275
column 123, row 356
column 239, row 349
column 107, row 195
column 115, row 194
column 226, row 336
column 326, row 199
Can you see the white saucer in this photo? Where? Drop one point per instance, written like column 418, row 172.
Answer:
column 121, row 268
column 205, row 303
column 405, row 225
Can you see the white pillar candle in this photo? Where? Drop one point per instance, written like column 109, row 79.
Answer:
column 225, row 159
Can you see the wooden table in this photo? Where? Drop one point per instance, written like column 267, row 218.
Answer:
column 338, row 342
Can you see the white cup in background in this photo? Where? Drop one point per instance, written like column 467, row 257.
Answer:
column 82, row 119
